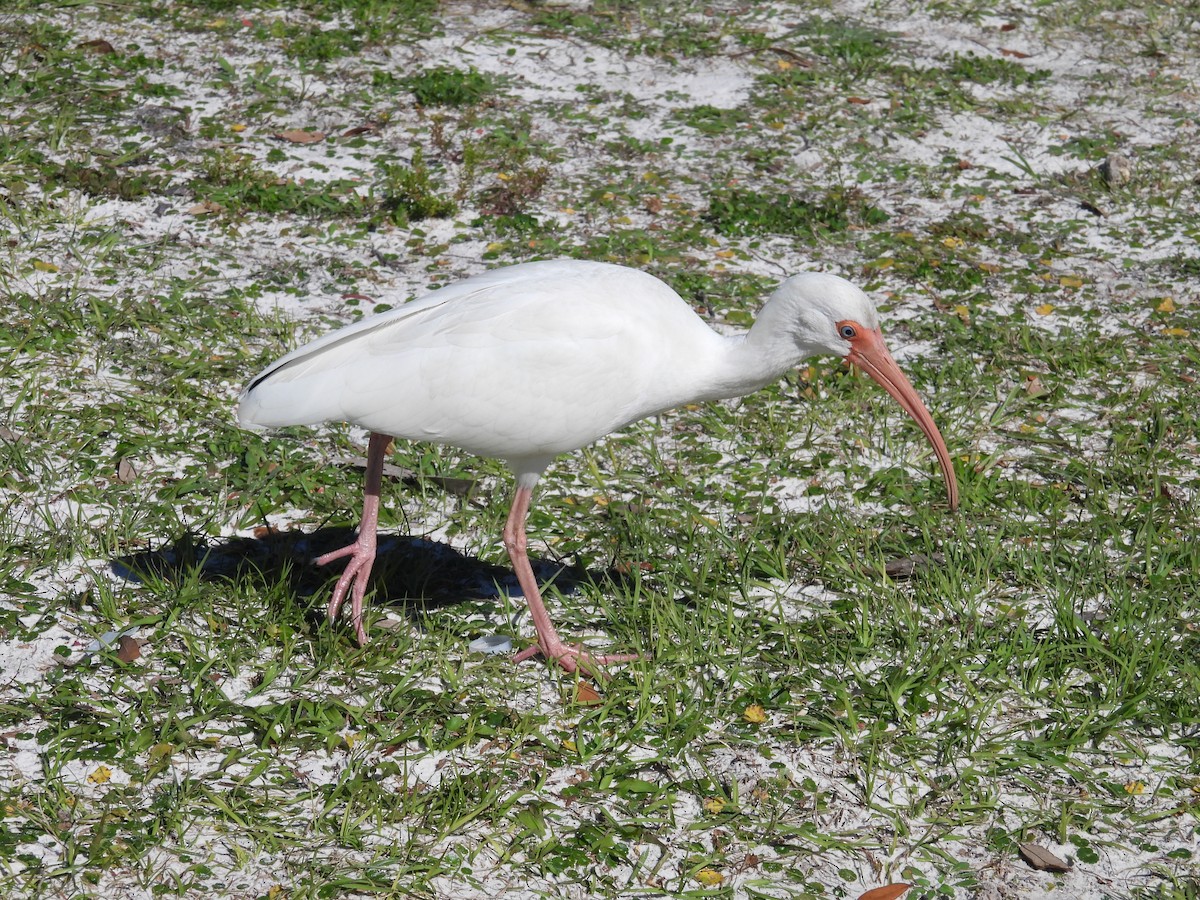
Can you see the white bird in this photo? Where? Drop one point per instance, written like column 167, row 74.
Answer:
column 529, row 361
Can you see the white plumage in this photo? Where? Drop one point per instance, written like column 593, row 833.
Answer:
column 530, row 361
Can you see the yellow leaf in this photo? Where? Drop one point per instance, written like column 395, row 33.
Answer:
column 1167, row 305
column 990, row 268
column 755, row 714
column 709, row 877
column 277, row 892
column 714, row 805
column 102, row 775
column 725, row 254
column 160, row 751
column 1135, row 787
column 783, row 64
column 964, row 313
column 494, row 247
column 237, row 129
column 1071, row 281
column 953, row 242
column 1045, row 309
column 569, row 746
column 1176, row 332
column 43, row 266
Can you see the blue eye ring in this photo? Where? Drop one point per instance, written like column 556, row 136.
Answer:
column 849, row 332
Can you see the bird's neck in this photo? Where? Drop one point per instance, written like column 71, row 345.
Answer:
column 754, row 359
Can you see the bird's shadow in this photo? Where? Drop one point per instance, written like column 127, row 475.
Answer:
column 414, row 573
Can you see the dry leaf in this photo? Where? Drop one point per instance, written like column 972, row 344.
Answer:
column 300, row 136
column 359, row 129
column 586, row 695
column 99, row 46
column 1167, row 305
column 207, row 208
column 1015, row 54
column 859, row 101
column 907, row 566
column 128, row 649
column 1042, row 859
column 125, row 471
column 7, row 434
column 886, row 892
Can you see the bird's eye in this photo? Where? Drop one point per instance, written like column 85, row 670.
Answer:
column 848, row 332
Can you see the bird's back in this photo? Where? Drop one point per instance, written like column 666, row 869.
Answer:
column 529, row 360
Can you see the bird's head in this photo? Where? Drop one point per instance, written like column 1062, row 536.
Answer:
column 829, row 315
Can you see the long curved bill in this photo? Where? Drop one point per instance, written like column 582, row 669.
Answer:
column 870, row 353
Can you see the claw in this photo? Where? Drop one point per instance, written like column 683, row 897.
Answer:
column 353, row 580
column 575, row 659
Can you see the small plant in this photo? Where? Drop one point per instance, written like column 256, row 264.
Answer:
column 745, row 212
column 408, row 193
column 709, row 119
column 446, row 86
column 993, row 69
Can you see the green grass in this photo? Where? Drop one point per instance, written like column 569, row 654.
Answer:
column 801, row 725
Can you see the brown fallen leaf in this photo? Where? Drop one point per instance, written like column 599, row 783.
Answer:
column 1034, row 386
column 586, row 695
column 907, row 566
column 359, row 129
column 7, row 434
column 126, row 473
column 1015, row 54
column 861, row 101
column 99, row 46
column 128, row 649
column 1042, row 859
column 299, row 136
column 205, row 208
column 886, row 892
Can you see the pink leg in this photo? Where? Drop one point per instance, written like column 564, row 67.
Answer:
column 362, row 551
column 549, row 644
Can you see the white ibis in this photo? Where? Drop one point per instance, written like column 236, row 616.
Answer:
column 529, row 361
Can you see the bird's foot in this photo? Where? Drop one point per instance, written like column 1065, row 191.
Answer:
column 353, row 582
column 574, row 659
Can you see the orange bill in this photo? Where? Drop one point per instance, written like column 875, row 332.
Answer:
column 870, row 353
